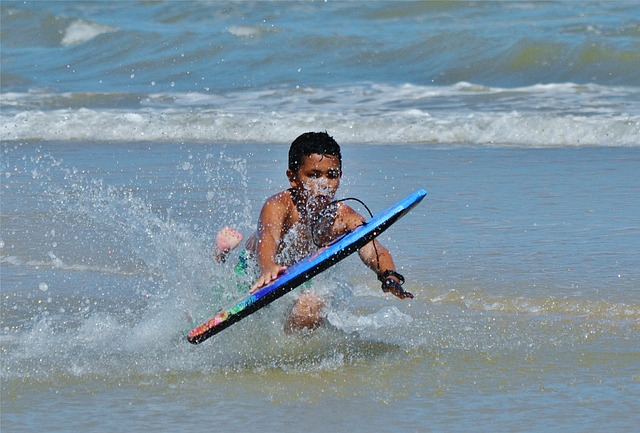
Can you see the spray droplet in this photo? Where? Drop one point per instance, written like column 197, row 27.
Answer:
column 43, row 286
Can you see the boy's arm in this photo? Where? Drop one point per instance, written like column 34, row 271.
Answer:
column 379, row 259
column 375, row 256
column 268, row 236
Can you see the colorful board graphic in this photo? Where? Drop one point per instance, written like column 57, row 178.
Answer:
column 307, row 268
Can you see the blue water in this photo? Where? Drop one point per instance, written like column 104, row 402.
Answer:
column 132, row 131
column 516, row 73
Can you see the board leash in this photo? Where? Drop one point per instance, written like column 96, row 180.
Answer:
column 388, row 284
column 375, row 249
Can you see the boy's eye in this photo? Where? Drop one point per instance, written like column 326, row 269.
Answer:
column 331, row 174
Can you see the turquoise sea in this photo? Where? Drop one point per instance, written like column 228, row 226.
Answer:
column 132, row 131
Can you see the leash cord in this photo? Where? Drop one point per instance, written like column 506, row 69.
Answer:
column 313, row 239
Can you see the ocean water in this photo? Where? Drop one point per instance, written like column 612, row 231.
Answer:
column 131, row 132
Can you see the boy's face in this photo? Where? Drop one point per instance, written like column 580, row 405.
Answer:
column 317, row 178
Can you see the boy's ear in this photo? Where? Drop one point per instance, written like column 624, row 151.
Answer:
column 292, row 178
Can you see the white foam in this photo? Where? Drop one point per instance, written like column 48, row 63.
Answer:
column 550, row 115
column 384, row 318
column 57, row 263
column 244, row 31
column 82, row 31
column 515, row 129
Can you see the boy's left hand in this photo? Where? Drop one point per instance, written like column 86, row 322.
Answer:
column 395, row 287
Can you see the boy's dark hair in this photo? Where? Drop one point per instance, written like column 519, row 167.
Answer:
column 312, row 142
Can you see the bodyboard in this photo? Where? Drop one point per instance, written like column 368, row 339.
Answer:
column 307, row 268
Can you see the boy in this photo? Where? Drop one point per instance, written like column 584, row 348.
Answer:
column 297, row 221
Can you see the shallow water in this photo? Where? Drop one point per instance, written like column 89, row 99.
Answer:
column 130, row 135
column 523, row 263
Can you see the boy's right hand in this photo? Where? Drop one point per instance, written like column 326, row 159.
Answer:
column 268, row 275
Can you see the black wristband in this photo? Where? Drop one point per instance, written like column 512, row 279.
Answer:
column 389, row 273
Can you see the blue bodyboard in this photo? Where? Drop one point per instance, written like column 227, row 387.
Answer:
column 307, row 268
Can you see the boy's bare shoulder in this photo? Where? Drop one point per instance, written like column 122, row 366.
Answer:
column 281, row 203
column 348, row 218
column 281, row 198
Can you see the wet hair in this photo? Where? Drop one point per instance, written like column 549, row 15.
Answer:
column 310, row 143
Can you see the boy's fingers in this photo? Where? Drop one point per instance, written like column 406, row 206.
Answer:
column 277, row 272
column 262, row 281
column 391, row 285
column 266, row 279
column 403, row 294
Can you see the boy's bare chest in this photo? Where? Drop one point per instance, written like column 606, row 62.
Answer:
column 305, row 235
